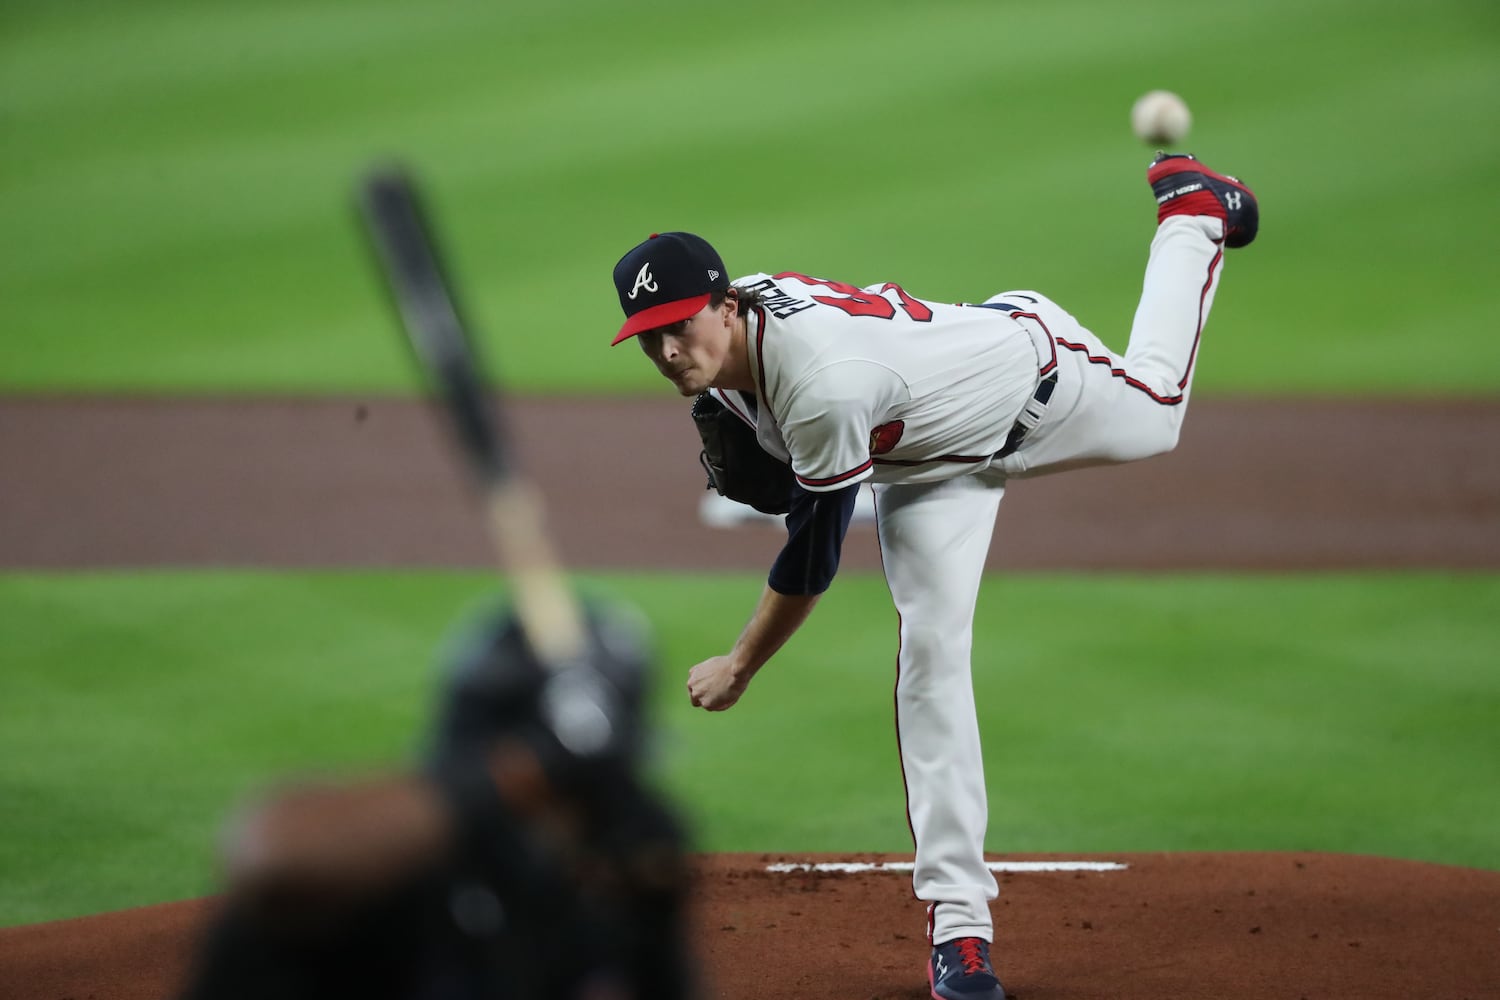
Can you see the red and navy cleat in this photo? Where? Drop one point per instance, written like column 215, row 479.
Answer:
column 1183, row 186
column 960, row 970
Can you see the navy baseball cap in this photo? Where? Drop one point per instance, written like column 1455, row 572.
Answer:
column 666, row 278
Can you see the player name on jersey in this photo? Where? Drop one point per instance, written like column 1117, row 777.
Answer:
column 777, row 301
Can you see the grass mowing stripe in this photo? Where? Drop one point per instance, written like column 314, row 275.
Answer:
column 177, row 188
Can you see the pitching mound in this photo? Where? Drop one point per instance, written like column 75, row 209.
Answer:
column 1116, row 927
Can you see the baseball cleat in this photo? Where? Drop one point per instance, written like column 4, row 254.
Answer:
column 1183, row 186
column 960, row 970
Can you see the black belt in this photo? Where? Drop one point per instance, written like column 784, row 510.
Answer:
column 1033, row 411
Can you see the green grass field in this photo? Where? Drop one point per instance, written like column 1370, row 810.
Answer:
column 176, row 201
column 176, row 193
column 1333, row 713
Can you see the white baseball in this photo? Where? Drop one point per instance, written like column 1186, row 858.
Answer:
column 1161, row 117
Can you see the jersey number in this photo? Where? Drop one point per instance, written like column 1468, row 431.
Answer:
column 858, row 302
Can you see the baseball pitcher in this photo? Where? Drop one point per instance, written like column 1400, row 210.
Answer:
column 940, row 406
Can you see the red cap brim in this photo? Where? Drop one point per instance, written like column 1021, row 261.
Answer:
column 661, row 315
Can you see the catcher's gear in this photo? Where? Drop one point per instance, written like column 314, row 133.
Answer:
column 570, row 845
column 562, row 875
column 737, row 466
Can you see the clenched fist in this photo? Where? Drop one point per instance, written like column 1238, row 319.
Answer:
column 714, row 684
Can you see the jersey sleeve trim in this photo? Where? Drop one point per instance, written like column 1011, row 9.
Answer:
column 838, row 480
column 956, row 459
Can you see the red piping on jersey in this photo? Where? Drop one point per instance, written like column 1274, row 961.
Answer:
column 760, row 358
column 1046, row 369
column 1187, row 374
column 832, row 480
column 728, row 401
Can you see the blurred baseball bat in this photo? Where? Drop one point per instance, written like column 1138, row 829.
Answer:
column 408, row 250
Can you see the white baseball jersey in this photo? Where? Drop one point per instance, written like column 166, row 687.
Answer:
column 872, row 383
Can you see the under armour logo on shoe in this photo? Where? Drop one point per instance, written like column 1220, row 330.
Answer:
column 1232, row 201
column 643, row 280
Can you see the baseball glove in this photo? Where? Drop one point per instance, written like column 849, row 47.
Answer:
column 737, row 466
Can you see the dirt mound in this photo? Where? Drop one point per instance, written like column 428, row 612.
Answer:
column 1225, row 926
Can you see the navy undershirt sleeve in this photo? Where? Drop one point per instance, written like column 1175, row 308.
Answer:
column 815, row 529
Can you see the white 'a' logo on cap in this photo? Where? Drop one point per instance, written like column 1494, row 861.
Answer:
column 643, row 280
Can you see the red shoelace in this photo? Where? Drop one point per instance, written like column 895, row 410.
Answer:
column 970, row 955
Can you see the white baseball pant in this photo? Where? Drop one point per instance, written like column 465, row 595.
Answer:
column 934, row 538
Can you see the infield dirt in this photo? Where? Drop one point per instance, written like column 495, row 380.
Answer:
column 1265, row 485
